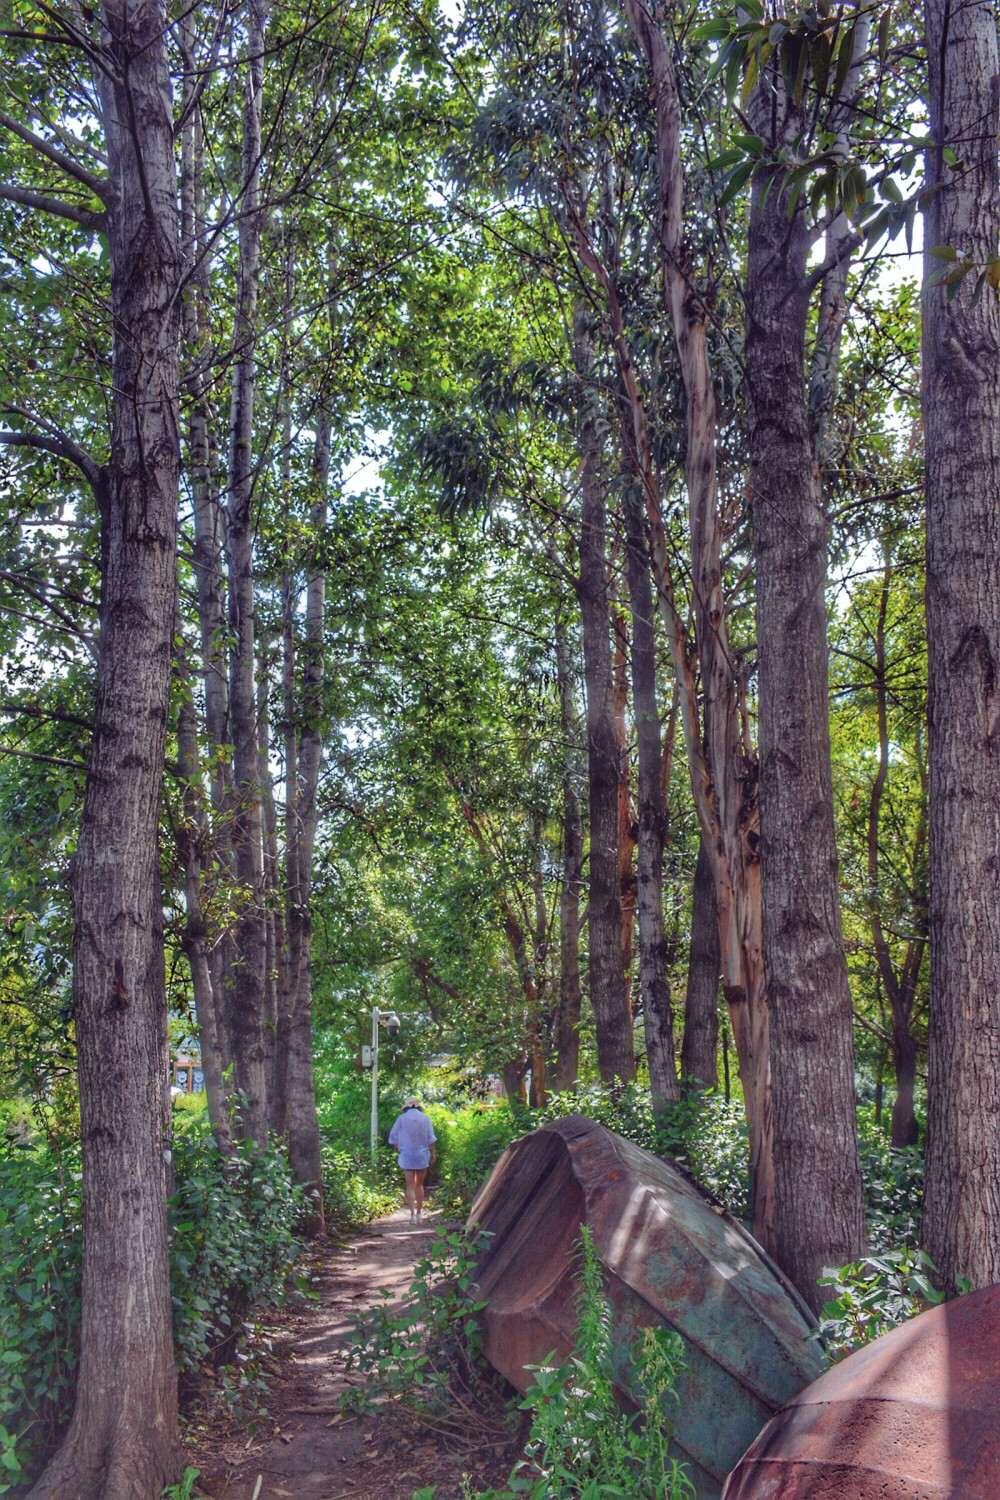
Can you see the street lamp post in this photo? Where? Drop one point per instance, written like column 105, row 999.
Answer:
column 390, row 1020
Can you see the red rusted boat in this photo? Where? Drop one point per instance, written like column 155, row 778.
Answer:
column 671, row 1257
column 913, row 1416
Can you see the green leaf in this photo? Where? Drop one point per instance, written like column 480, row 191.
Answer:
column 845, row 57
column 735, row 182
column 712, row 31
column 883, row 35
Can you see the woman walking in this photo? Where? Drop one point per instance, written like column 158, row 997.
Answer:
column 412, row 1136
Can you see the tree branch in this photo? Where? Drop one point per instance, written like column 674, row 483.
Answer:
column 97, row 223
column 62, row 447
column 46, row 760
column 58, row 158
column 844, row 250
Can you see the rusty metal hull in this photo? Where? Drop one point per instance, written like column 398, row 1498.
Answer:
column 671, row 1258
column 913, row 1416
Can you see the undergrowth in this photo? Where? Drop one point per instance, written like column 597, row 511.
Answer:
column 703, row 1132
column 233, row 1246
column 352, row 1193
column 581, row 1444
column 427, row 1354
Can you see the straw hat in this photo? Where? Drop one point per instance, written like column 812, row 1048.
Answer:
column 411, row 1102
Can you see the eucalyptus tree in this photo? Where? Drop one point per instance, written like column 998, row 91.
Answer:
column 298, row 174
column 722, row 762
column 562, row 73
column 809, row 80
column 122, row 1439
column 246, row 980
column 819, row 1205
column 961, row 412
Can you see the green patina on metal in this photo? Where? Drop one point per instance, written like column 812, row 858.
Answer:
column 671, row 1257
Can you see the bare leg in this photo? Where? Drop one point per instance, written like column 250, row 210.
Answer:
column 418, row 1188
column 411, row 1190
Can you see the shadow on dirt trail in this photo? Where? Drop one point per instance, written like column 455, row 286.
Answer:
column 306, row 1449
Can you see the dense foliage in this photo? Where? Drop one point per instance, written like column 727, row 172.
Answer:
column 495, row 657
column 233, row 1247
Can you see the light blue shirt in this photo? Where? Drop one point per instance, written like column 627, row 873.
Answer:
column 414, row 1134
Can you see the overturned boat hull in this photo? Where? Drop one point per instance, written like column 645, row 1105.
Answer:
column 915, row 1415
column 671, row 1258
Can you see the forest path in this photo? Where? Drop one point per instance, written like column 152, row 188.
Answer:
column 306, row 1449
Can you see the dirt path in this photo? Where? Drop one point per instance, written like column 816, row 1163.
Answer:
column 306, row 1449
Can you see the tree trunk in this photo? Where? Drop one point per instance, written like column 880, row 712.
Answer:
column 627, row 884
column 700, row 1045
column 193, row 833
column 513, row 1079
column 122, row 1441
column 819, row 1206
column 961, row 411
column 722, row 763
column 904, row 1057
column 302, row 1125
column 277, row 1084
column 608, row 995
column 209, row 546
column 289, row 990
column 275, row 945
column 567, row 1027
column 246, row 987
column 654, row 967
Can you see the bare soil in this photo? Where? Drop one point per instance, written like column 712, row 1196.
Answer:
column 305, row 1447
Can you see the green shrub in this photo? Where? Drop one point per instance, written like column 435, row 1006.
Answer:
column 40, row 1261
column 470, row 1145
column 582, row 1445
column 232, row 1246
column 352, row 1193
column 872, row 1296
column 702, row 1132
column 416, row 1353
column 233, row 1243
column 894, row 1185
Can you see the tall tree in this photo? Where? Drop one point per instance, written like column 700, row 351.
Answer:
column 303, row 788
column 654, row 965
column 566, row 1030
column 961, row 409
column 245, row 996
column 608, row 994
column 819, row 1208
column 122, row 1440
column 722, row 764
column 700, row 1044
